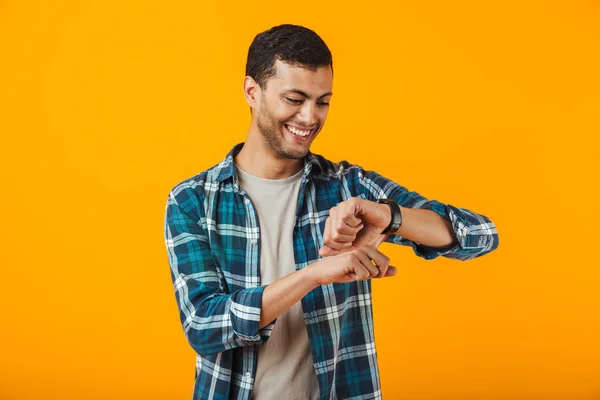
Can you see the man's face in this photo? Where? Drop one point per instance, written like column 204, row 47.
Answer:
column 293, row 108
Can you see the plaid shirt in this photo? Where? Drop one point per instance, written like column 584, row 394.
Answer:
column 213, row 238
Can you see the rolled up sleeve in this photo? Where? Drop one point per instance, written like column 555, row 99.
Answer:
column 476, row 234
column 213, row 319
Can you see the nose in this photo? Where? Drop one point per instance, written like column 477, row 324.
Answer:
column 307, row 114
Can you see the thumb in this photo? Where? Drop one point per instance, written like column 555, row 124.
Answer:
column 391, row 271
column 327, row 251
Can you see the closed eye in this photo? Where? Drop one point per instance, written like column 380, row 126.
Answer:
column 296, row 101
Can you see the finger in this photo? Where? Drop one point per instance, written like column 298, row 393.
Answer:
column 327, row 251
column 343, row 227
column 346, row 278
column 389, row 271
column 338, row 245
column 380, row 259
column 347, row 211
column 349, row 218
column 334, row 239
column 367, row 263
column 329, row 241
column 361, row 272
column 326, row 229
column 350, row 210
column 340, row 237
column 382, row 271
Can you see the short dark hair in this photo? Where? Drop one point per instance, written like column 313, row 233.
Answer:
column 291, row 44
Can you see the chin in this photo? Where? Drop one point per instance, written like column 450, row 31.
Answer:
column 295, row 155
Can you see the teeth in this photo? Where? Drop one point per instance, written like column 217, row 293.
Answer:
column 297, row 131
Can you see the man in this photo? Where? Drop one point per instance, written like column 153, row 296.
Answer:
column 272, row 250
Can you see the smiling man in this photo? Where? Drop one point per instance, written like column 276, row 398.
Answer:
column 272, row 250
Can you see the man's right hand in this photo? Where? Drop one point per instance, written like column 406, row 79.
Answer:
column 352, row 265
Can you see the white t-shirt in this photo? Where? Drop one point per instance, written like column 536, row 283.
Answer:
column 284, row 369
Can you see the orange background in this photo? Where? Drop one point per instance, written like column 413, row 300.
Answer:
column 106, row 105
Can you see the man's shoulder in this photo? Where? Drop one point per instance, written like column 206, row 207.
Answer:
column 199, row 179
column 209, row 178
column 191, row 191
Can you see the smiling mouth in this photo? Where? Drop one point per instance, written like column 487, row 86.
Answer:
column 297, row 133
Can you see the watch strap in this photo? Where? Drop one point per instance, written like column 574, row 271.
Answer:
column 396, row 220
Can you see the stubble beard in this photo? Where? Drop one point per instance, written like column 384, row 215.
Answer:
column 270, row 134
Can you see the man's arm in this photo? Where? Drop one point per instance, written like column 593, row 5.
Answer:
column 424, row 226
column 351, row 266
column 356, row 221
column 213, row 320
column 475, row 234
column 282, row 294
column 432, row 228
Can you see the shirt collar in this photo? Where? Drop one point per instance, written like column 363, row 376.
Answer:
column 226, row 168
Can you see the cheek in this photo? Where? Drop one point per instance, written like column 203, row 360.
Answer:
column 323, row 115
column 284, row 110
column 284, row 114
column 273, row 115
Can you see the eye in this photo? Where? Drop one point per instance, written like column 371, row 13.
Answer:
column 293, row 101
column 323, row 104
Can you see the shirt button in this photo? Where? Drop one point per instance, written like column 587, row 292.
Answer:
column 247, row 201
column 248, row 374
column 254, row 241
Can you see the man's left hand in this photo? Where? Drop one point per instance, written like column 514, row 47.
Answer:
column 353, row 223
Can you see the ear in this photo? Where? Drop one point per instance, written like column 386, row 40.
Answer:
column 252, row 92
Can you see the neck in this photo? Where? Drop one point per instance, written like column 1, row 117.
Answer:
column 258, row 159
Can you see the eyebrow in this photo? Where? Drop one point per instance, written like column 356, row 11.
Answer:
column 301, row 93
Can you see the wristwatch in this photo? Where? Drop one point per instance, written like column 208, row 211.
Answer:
column 396, row 216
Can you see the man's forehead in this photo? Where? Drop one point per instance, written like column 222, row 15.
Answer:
column 295, row 77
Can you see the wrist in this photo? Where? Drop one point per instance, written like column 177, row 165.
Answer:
column 403, row 214
column 385, row 210
column 310, row 274
column 394, row 216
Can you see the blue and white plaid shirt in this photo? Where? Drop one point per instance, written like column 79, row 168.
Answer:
column 213, row 238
